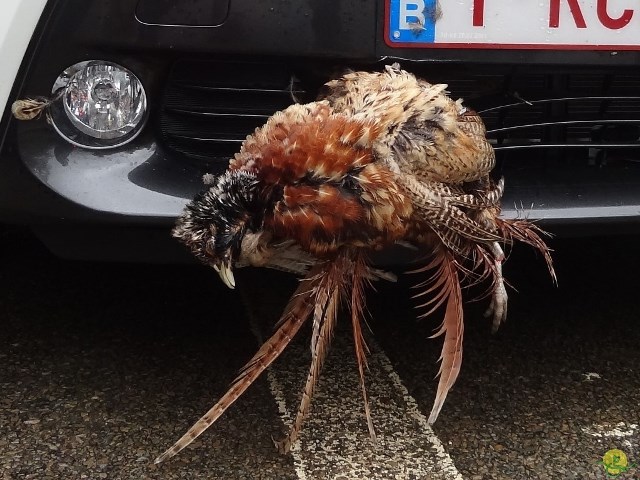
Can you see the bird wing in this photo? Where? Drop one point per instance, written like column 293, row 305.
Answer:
column 322, row 184
column 258, row 250
column 437, row 206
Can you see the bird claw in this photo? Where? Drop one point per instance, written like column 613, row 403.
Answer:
column 283, row 446
column 498, row 306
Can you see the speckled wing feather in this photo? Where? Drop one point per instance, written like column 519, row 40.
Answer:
column 427, row 133
column 455, row 227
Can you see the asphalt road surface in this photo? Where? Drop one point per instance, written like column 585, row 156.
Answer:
column 103, row 366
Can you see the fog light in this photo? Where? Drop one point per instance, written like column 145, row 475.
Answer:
column 103, row 105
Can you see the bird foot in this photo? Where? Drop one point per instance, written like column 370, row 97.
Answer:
column 498, row 306
column 499, row 298
column 283, row 445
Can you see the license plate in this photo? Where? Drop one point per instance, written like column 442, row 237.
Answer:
column 526, row 24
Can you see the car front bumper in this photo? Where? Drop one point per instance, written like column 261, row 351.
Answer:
column 210, row 83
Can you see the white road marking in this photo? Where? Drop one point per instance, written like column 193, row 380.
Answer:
column 299, row 463
column 335, row 443
column 445, row 460
column 590, row 376
column 619, row 430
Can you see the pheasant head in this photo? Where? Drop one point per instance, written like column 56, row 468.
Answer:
column 214, row 224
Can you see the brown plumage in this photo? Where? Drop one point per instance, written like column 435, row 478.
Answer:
column 384, row 158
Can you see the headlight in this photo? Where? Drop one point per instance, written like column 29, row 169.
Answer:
column 102, row 105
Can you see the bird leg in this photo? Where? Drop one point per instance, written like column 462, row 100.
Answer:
column 498, row 306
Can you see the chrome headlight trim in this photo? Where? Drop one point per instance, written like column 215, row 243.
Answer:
column 101, row 105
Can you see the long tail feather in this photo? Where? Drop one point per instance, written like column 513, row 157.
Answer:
column 327, row 300
column 359, row 279
column 446, row 283
column 298, row 310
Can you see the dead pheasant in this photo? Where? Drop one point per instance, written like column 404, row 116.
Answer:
column 384, row 158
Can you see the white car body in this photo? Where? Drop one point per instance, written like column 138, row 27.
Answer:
column 17, row 24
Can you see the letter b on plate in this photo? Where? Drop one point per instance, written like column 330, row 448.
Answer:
column 412, row 20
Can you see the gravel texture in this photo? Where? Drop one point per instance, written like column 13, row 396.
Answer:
column 106, row 365
column 527, row 403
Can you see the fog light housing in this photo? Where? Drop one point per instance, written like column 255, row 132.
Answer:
column 102, row 105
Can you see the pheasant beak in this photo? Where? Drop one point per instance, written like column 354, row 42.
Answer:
column 226, row 274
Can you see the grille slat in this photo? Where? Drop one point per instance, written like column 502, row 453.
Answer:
column 235, row 141
column 215, row 114
column 563, row 122
column 560, row 123
column 207, row 88
column 543, row 145
column 598, row 99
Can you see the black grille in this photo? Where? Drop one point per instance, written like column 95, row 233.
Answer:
column 579, row 111
column 210, row 107
column 567, row 142
column 579, row 115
